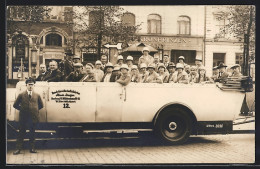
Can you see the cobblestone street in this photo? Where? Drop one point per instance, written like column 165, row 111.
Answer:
column 232, row 148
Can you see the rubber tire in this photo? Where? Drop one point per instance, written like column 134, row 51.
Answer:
column 183, row 130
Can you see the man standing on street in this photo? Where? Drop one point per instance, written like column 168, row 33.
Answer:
column 28, row 103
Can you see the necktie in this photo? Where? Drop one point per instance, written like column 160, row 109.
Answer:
column 30, row 95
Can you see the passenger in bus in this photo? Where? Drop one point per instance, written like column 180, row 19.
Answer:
column 193, row 74
column 53, row 75
column 181, row 60
column 203, row 78
column 142, row 73
column 129, row 62
column 181, row 76
column 171, row 68
column 141, row 61
column 236, row 71
column 162, row 73
column 76, row 59
column 89, row 77
column 108, row 72
column 222, row 73
column 147, row 59
column 77, row 74
column 66, row 66
column 115, row 73
column 88, row 68
column 120, row 60
column 215, row 73
column 97, row 71
column 125, row 77
column 134, row 74
column 156, row 61
column 42, row 72
column 152, row 76
column 198, row 62
column 103, row 61
column 166, row 60
column 187, row 69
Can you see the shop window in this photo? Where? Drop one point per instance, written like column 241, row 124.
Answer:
column 53, row 40
column 184, row 25
column 189, row 56
column 95, row 18
column 218, row 58
column 154, row 24
column 239, row 58
column 128, row 19
column 20, row 46
column 89, row 58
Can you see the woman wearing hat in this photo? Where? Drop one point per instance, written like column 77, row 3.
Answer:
column 108, row 72
column 236, row 71
column 193, row 74
column 152, row 76
column 181, row 76
column 147, row 59
column 171, row 69
column 120, row 60
column 89, row 77
column 134, row 74
column 125, row 77
column 97, row 71
column 129, row 61
column 162, row 73
column 202, row 78
column 181, row 60
column 142, row 72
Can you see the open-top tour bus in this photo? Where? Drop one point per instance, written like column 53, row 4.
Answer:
column 173, row 111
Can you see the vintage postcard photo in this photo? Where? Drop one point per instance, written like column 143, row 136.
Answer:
column 135, row 84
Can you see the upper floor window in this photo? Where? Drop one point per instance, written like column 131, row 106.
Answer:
column 154, row 23
column 53, row 40
column 184, row 25
column 128, row 19
column 219, row 26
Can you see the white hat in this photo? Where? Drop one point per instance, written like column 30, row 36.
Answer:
column 98, row 62
column 129, row 58
column 179, row 66
column 146, row 48
column 120, row 57
column 181, row 57
column 109, row 64
column 151, row 65
column 161, row 65
column 202, row 68
column 77, row 65
column 134, row 67
column 199, row 58
column 143, row 65
column 124, row 66
column 116, row 68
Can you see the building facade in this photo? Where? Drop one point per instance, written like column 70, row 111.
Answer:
column 189, row 31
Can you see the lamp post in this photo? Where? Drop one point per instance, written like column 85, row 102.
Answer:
column 34, row 61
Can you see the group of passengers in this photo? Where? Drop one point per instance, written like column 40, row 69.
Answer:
column 148, row 70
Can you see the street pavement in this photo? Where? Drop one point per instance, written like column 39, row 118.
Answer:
column 231, row 148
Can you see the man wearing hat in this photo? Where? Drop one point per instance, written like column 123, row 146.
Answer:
column 215, row 73
column 142, row 73
column 97, row 71
column 103, row 61
column 222, row 72
column 54, row 74
column 148, row 59
column 181, row 60
column 181, row 76
column 28, row 103
column 108, row 72
column 66, row 65
column 120, row 60
column 125, row 77
column 152, row 76
column 198, row 62
column 76, row 59
column 115, row 73
column 162, row 73
column 171, row 68
column 77, row 74
column 129, row 62
column 236, row 71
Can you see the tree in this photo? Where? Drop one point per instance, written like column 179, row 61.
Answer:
column 98, row 24
column 241, row 24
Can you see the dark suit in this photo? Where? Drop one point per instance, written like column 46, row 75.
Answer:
column 114, row 77
column 66, row 67
column 53, row 76
column 74, row 77
column 28, row 116
column 222, row 76
column 40, row 77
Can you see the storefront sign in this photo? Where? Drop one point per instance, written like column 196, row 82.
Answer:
column 165, row 39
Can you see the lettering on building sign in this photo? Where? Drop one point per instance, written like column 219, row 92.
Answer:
column 165, row 39
column 65, row 96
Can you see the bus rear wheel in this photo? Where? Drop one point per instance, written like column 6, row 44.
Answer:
column 174, row 126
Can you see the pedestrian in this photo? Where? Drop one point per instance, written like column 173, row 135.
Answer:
column 28, row 103
column 203, row 78
column 134, row 74
column 152, row 76
column 77, row 74
column 222, row 73
column 181, row 76
column 171, row 68
column 108, row 72
column 42, row 72
column 236, row 71
column 147, row 59
column 54, row 74
column 125, row 77
column 97, row 71
column 162, row 73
